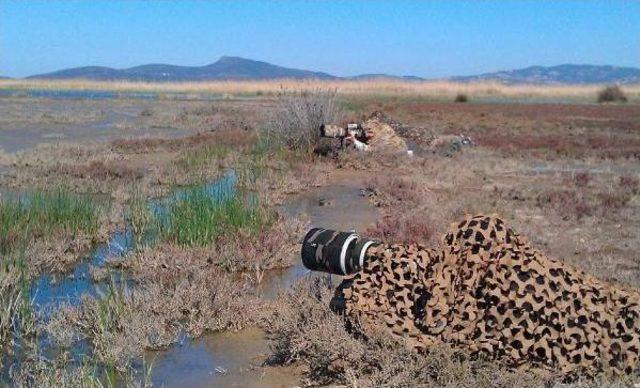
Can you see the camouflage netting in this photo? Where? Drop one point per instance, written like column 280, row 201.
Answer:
column 489, row 291
column 383, row 136
column 424, row 139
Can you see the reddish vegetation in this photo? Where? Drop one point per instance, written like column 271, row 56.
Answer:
column 582, row 179
column 539, row 130
column 396, row 190
column 568, row 203
column 623, row 117
column 612, row 202
column 577, row 204
column 630, row 184
column 98, row 169
column 568, row 145
column 237, row 138
column 398, row 230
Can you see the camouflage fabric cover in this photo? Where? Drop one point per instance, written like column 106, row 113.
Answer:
column 383, row 136
column 490, row 291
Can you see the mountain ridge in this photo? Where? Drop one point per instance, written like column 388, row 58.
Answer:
column 238, row 68
column 226, row 68
column 560, row 74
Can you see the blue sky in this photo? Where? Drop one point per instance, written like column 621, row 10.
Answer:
column 429, row 39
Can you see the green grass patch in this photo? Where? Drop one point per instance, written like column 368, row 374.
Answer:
column 202, row 156
column 198, row 218
column 44, row 214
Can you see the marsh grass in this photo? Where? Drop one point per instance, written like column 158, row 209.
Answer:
column 17, row 315
column 203, row 156
column 140, row 216
column 41, row 215
column 63, row 371
column 109, row 312
column 198, row 218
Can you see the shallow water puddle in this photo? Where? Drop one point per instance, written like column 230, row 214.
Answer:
column 88, row 94
column 52, row 290
column 221, row 359
column 234, row 359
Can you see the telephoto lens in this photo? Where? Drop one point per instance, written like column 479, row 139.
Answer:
column 331, row 130
column 335, row 252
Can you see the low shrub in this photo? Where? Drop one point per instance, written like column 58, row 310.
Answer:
column 569, row 204
column 299, row 116
column 629, row 184
column 394, row 191
column 611, row 93
column 582, row 179
column 202, row 156
column 124, row 322
column 303, row 330
column 461, row 97
column 611, row 202
column 412, row 229
column 17, row 315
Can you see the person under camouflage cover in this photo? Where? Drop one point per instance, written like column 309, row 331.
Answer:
column 489, row 291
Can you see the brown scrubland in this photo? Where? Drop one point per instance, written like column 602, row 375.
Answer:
column 566, row 175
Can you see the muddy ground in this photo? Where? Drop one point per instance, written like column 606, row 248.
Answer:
column 26, row 122
column 567, row 176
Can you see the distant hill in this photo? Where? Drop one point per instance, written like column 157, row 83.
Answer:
column 561, row 74
column 236, row 68
column 226, row 68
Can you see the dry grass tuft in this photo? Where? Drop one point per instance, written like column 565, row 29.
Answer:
column 232, row 138
column 100, row 170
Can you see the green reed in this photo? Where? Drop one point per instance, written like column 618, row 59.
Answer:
column 42, row 215
column 198, row 218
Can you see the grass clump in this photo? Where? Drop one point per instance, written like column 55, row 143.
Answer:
column 612, row 93
column 198, row 218
column 42, row 215
column 17, row 315
column 140, row 215
column 203, row 156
